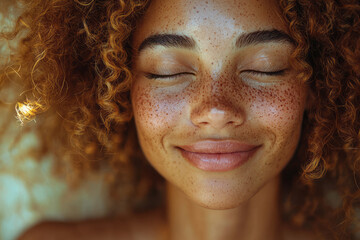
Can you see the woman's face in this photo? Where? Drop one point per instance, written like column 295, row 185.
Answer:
column 217, row 107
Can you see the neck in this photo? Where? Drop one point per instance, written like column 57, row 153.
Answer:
column 256, row 219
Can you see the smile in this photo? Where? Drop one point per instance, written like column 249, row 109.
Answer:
column 218, row 156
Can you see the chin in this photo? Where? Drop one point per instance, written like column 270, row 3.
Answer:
column 220, row 198
column 218, row 203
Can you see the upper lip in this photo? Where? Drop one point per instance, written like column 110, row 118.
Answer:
column 218, row 146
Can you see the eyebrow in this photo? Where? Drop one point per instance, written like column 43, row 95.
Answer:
column 264, row 36
column 167, row 40
column 182, row 41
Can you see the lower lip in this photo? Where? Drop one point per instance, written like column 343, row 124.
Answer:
column 218, row 162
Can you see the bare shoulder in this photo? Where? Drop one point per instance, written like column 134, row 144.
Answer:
column 294, row 233
column 43, row 230
column 146, row 225
column 107, row 229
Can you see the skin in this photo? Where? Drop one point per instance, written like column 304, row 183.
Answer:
column 217, row 94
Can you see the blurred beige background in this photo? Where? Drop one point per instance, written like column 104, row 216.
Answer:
column 29, row 192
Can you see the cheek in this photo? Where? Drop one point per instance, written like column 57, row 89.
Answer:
column 156, row 111
column 280, row 107
column 280, row 112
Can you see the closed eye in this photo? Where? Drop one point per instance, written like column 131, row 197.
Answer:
column 157, row 76
column 273, row 73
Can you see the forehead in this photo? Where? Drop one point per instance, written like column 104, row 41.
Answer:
column 221, row 17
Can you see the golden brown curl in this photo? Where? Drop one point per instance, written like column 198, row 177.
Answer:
column 73, row 59
column 327, row 34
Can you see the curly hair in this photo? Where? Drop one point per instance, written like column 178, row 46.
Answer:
column 74, row 60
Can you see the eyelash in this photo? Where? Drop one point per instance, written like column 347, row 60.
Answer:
column 274, row 73
column 157, row 76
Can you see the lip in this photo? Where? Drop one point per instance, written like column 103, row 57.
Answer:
column 218, row 156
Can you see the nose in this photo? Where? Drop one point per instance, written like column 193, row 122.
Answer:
column 217, row 108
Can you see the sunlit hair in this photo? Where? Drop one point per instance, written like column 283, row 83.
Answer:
column 26, row 111
column 75, row 60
